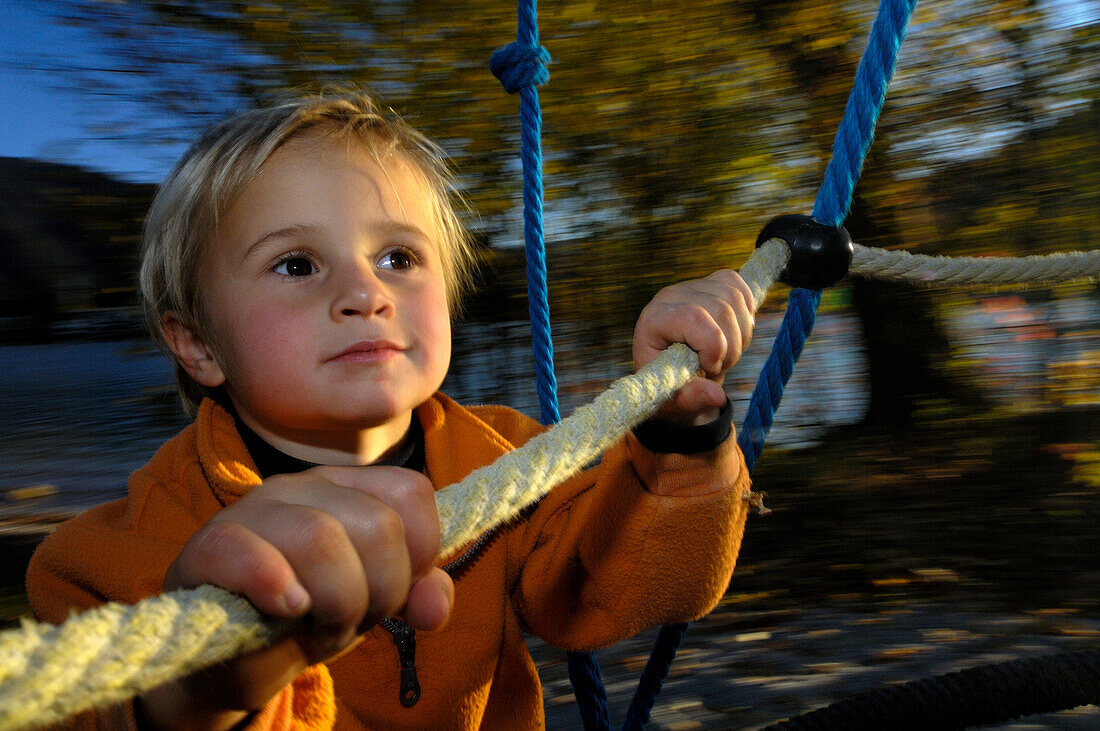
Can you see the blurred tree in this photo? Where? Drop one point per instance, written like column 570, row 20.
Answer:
column 69, row 237
column 671, row 137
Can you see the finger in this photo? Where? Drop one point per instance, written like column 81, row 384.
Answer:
column 727, row 319
column 377, row 531
column 324, row 559
column 737, row 315
column 745, row 308
column 410, row 494
column 728, row 286
column 691, row 323
column 229, row 555
column 430, row 601
column 730, row 278
column 706, row 329
column 746, row 325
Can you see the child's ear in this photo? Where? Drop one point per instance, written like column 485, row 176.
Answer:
column 191, row 351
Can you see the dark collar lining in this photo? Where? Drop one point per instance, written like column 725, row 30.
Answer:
column 270, row 461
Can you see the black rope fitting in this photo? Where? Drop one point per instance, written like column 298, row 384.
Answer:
column 820, row 254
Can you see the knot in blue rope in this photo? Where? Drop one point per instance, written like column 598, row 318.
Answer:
column 519, row 65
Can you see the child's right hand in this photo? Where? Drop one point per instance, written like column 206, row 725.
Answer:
column 346, row 546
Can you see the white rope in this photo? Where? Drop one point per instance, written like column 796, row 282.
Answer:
column 942, row 270
column 114, row 652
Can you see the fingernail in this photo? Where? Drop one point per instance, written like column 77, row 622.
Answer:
column 295, row 597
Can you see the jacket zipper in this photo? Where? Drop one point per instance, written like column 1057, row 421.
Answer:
column 405, row 635
column 454, row 568
column 404, row 638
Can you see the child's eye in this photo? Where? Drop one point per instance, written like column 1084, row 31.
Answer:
column 397, row 259
column 294, row 266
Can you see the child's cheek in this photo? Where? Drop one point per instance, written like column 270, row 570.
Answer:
column 271, row 339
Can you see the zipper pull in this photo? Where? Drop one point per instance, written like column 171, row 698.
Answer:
column 404, row 638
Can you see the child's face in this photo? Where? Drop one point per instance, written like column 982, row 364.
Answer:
column 325, row 294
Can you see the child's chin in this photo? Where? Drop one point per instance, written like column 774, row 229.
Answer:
column 373, row 417
column 369, row 410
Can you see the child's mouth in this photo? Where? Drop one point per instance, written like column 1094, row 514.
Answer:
column 367, row 351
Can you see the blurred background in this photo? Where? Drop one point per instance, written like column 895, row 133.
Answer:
column 934, row 470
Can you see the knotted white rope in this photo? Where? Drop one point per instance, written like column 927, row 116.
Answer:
column 115, row 652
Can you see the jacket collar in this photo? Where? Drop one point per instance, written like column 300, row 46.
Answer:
column 456, row 442
column 225, row 461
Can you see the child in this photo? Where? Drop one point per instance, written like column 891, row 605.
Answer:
column 300, row 265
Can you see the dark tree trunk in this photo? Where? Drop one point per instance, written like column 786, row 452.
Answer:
column 906, row 345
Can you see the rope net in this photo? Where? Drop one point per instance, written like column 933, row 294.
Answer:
column 114, row 652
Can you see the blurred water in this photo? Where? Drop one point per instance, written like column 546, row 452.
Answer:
column 1033, row 354
column 82, row 415
column 78, row 416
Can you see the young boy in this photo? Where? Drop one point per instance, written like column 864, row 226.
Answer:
column 300, row 265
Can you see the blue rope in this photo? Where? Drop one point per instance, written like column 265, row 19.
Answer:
column 653, row 676
column 797, row 324
column 857, row 127
column 850, row 147
column 521, row 67
column 588, row 688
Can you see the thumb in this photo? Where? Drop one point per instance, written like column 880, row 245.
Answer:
column 431, row 598
column 696, row 403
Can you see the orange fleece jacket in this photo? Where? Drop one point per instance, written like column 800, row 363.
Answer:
column 599, row 559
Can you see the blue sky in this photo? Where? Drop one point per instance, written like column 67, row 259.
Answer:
column 30, row 113
column 40, row 118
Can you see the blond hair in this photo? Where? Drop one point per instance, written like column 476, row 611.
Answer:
column 215, row 170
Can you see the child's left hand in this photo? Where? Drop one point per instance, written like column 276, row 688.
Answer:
column 714, row 316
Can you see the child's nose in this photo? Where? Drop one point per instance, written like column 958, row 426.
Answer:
column 361, row 293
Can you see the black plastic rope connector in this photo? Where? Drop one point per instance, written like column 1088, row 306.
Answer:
column 820, row 254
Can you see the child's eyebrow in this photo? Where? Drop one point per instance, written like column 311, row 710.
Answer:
column 284, row 232
column 377, row 228
column 395, row 227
